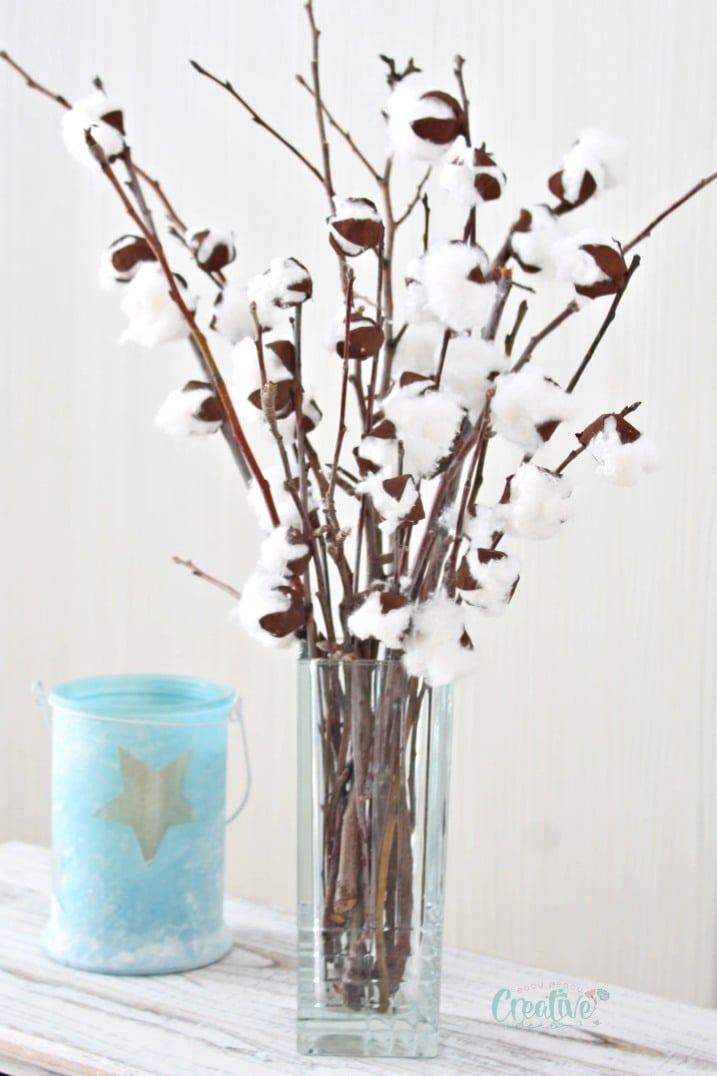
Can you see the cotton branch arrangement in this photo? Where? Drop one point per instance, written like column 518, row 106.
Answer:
column 388, row 546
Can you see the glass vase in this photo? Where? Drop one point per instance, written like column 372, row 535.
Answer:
column 374, row 763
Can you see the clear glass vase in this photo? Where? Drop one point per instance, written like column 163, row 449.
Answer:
column 374, row 763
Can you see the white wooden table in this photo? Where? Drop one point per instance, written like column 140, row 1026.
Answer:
column 237, row 1017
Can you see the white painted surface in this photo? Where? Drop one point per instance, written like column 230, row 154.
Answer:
column 237, row 1017
column 583, row 828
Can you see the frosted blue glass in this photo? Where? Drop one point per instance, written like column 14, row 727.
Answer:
column 138, row 819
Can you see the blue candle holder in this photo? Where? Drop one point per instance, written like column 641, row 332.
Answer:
column 138, row 819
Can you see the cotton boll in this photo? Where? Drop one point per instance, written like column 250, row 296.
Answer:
column 213, row 248
column 231, row 317
column 438, row 647
column 479, row 526
column 457, row 290
column 471, row 366
column 121, row 262
column 535, row 503
column 269, row 610
column 396, row 500
column 487, row 579
column 594, row 164
column 527, row 407
column 415, row 308
column 191, row 411
column 622, row 461
column 427, row 421
column 419, row 348
column 103, row 119
column 284, row 552
column 355, row 226
column 534, row 237
column 384, row 616
column 154, row 316
column 284, row 285
column 422, row 124
column 472, row 178
column 378, row 451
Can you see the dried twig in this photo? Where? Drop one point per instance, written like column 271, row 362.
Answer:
column 201, row 574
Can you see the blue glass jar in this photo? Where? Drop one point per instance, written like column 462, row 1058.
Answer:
column 138, row 820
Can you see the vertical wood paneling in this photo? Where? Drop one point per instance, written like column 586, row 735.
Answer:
column 583, row 828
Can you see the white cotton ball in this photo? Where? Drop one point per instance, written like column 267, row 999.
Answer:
column 231, row 317
column 285, row 285
column 263, row 594
column 419, row 348
column 392, row 510
column 496, row 578
column 595, row 152
column 469, row 370
column 435, row 645
column 411, row 102
column 525, row 405
column 622, row 462
column 472, row 178
column 480, row 525
column 370, row 621
column 121, row 262
column 427, row 421
column 382, row 452
column 355, row 226
column 277, row 551
column 538, row 505
column 414, row 303
column 86, row 114
column 213, row 248
column 456, row 292
column 154, row 316
column 184, row 412
column 534, row 247
column 575, row 265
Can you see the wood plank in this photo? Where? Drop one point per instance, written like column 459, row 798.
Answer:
column 238, row 1016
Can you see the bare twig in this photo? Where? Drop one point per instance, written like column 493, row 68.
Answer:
column 318, row 100
column 414, row 201
column 226, row 85
column 342, row 131
column 201, row 574
column 646, row 232
column 604, row 327
column 31, row 82
column 210, row 366
column 569, row 310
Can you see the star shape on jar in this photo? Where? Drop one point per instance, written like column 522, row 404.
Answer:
column 151, row 800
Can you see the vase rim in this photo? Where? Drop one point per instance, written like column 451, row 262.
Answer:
column 349, row 660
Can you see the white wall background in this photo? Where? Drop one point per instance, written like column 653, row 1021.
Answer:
column 583, row 827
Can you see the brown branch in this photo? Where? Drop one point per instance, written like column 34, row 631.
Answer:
column 646, row 232
column 569, row 310
column 226, row 85
column 490, row 329
column 210, row 366
column 414, row 201
column 31, row 82
column 191, row 566
column 510, row 338
column 342, row 131
column 459, row 63
column 318, row 100
column 604, row 327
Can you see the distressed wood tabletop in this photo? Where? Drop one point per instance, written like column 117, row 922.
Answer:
column 237, row 1017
